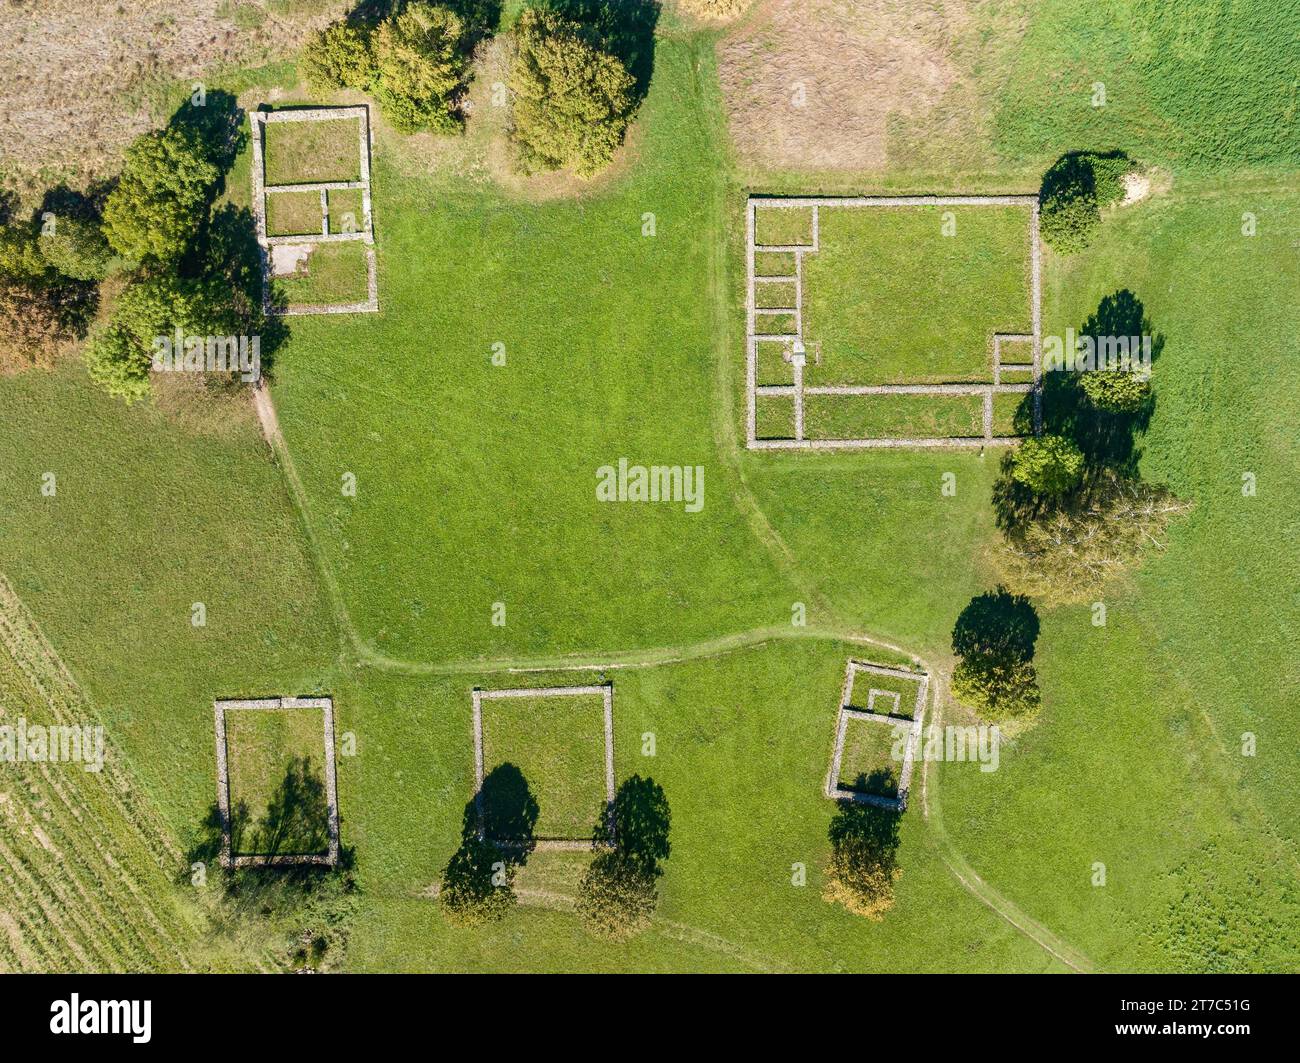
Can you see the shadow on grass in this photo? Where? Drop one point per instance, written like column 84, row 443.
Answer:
column 997, row 622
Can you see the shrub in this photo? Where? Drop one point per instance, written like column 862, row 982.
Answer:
column 572, row 99
column 863, row 865
column 20, row 255
column 161, row 199
column 1048, row 465
column 31, row 330
column 420, row 68
column 616, row 896
column 338, row 57
column 118, row 363
column 76, row 248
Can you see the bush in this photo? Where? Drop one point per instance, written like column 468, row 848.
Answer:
column 338, row 57
column 863, row 865
column 20, row 256
column 1050, row 466
column 420, row 68
column 118, row 363
column 1073, row 192
column 162, row 196
column 1068, row 211
column 572, row 99
column 76, row 248
column 31, row 329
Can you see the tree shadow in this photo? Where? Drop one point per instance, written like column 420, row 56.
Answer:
column 872, row 829
column 998, row 623
column 626, row 29
column 228, row 249
column 639, row 820
column 882, row 782
column 506, row 811
column 296, row 823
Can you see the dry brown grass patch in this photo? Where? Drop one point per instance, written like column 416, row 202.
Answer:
column 881, row 82
column 67, row 74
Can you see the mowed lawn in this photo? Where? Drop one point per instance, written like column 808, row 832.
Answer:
column 476, row 482
column 741, row 746
column 913, row 295
column 558, row 744
column 1139, row 761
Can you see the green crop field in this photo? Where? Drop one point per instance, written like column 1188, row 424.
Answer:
column 430, row 521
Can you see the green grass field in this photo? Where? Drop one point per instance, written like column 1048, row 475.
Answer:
column 333, row 273
column 558, row 743
column 893, row 416
column 304, row 152
column 293, row 213
column 891, row 299
column 476, row 486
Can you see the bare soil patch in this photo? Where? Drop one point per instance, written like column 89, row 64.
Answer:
column 854, row 84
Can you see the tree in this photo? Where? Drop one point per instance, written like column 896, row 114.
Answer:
column 1050, row 466
column 1116, row 390
column 1068, row 211
column 1073, row 551
column 420, row 68
column 339, row 57
column 76, row 248
column 151, row 308
column 161, row 199
column 994, row 641
column 616, row 896
column 864, row 859
column 1119, row 324
column 572, row 99
column 997, row 687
